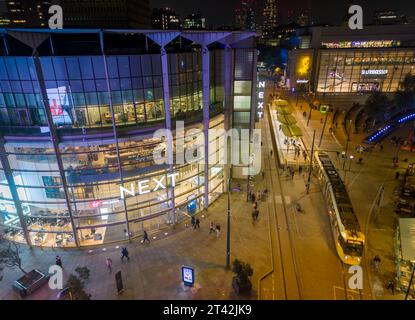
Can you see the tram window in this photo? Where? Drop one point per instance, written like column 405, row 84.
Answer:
column 353, row 248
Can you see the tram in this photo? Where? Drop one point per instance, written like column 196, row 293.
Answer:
column 345, row 227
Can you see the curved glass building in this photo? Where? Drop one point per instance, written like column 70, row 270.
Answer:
column 78, row 113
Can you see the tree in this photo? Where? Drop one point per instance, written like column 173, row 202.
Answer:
column 10, row 256
column 76, row 284
column 377, row 106
column 76, row 288
column 404, row 97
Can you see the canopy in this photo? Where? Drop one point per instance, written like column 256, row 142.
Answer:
column 291, row 131
column 407, row 232
column 286, row 119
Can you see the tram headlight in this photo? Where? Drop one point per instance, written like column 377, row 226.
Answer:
column 346, row 257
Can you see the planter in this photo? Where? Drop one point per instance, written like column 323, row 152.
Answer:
column 241, row 288
column 30, row 282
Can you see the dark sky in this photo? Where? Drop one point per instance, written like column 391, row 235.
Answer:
column 220, row 12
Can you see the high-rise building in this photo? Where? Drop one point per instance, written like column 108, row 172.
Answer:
column 270, row 18
column 78, row 13
column 245, row 17
column 194, row 21
column 24, row 13
column 165, row 19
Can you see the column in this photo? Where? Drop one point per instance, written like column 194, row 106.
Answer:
column 114, row 130
column 13, row 190
column 55, row 141
column 228, row 112
column 206, row 105
column 166, row 97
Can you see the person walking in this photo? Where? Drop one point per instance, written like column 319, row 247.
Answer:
column 193, row 221
column 58, row 261
column 254, row 205
column 253, row 197
column 145, row 237
column 381, row 147
column 391, row 286
column 376, row 262
column 125, row 254
column 197, row 224
column 300, row 170
column 108, row 262
column 217, row 230
column 397, row 174
column 212, row 227
column 271, row 153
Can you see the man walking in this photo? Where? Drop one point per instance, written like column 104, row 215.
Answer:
column 212, row 227
column 197, row 224
column 108, row 262
column 217, row 230
column 125, row 254
column 58, row 261
column 145, row 237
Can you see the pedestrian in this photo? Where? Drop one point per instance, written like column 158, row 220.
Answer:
column 255, row 214
column 197, row 224
column 391, row 286
column 271, row 153
column 125, row 254
column 360, row 160
column 321, row 120
column 254, row 205
column 292, row 172
column 397, row 174
column 381, row 147
column 217, row 230
column 145, row 237
column 300, row 170
column 212, row 227
column 253, row 197
column 337, row 155
column 193, row 221
column 376, row 261
column 108, row 262
column 305, row 155
column 336, row 124
column 258, row 195
column 58, row 261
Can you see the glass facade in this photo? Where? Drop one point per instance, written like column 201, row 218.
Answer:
column 363, row 70
column 61, row 169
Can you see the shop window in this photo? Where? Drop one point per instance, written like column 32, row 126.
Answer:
column 54, row 192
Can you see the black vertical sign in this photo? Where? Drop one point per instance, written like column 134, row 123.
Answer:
column 118, row 280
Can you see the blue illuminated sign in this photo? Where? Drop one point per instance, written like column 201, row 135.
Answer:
column 188, row 276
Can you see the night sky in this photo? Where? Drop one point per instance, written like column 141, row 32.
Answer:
column 221, row 12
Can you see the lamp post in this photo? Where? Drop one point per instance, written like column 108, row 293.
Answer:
column 228, row 228
column 324, row 127
column 350, row 163
column 311, row 163
column 347, row 143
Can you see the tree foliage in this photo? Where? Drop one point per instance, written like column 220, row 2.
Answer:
column 76, row 288
column 378, row 106
column 10, row 256
column 404, row 97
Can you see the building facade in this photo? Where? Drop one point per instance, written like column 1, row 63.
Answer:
column 77, row 13
column 79, row 110
column 165, row 19
column 337, row 61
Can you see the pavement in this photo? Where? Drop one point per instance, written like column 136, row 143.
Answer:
column 154, row 271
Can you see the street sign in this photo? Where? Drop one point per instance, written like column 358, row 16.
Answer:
column 118, row 281
column 188, row 276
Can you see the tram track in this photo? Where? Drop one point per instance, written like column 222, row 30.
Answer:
column 283, row 254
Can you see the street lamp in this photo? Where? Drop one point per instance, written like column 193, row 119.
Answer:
column 347, row 143
column 350, row 164
column 228, row 228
